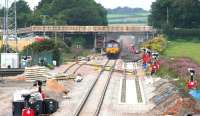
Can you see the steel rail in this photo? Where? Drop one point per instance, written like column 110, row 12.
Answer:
column 79, row 109
column 79, row 67
column 104, row 90
column 70, row 67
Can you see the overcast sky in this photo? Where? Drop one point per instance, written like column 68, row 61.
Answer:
column 145, row 4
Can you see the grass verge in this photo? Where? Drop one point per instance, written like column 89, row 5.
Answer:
column 183, row 49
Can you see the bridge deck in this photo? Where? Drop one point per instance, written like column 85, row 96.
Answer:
column 110, row 28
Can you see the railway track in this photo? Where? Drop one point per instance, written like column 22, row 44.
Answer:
column 92, row 102
column 68, row 68
column 75, row 66
column 71, row 70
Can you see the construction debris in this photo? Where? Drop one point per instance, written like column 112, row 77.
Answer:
column 169, row 101
column 21, row 79
column 36, row 73
column 54, row 86
column 78, row 78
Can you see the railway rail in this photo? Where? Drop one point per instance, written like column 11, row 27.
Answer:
column 96, row 92
column 76, row 68
column 67, row 69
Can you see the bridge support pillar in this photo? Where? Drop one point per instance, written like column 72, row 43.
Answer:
column 147, row 36
column 95, row 41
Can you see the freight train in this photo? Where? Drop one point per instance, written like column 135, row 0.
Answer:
column 112, row 49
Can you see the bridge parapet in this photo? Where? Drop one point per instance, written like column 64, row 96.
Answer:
column 24, row 30
column 85, row 29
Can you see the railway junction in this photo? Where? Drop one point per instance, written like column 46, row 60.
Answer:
column 77, row 58
column 107, row 88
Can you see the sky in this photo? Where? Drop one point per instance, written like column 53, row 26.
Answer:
column 145, row 4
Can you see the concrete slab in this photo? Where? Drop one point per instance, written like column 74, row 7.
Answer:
column 111, row 105
column 131, row 94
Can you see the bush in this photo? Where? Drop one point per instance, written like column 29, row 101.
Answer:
column 45, row 45
column 50, row 66
column 158, row 44
column 179, row 67
column 58, row 48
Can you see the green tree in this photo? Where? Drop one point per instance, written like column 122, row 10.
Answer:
column 72, row 12
column 158, row 16
column 24, row 13
column 187, row 13
column 1, row 12
column 178, row 13
column 1, row 18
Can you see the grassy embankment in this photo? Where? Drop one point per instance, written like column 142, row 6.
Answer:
column 185, row 53
column 184, row 49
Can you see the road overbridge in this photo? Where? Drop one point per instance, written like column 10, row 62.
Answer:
column 99, row 33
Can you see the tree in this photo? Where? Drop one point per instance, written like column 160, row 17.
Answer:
column 175, row 13
column 24, row 13
column 72, row 12
column 1, row 18
column 158, row 16
column 187, row 13
column 1, row 12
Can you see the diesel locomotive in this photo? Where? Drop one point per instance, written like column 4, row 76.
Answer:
column 112, row 49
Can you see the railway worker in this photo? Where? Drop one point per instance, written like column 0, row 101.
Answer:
column 37, row 90
column 192, row 83
column 155, row 57
column 146, row 60
column 154, row 67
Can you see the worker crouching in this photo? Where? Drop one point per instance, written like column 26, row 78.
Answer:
column 192, row 84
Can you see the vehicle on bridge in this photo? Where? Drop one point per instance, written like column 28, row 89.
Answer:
column 112, row 49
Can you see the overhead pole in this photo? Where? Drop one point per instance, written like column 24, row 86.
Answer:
column 44, row 23
column 4, row 26
column 10, row 25
column 15, row 28
column 167, row 15
column 5, row 34
column 55, row 23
